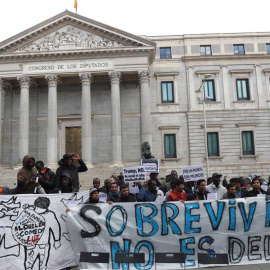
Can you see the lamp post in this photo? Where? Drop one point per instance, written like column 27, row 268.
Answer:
column 206, row 76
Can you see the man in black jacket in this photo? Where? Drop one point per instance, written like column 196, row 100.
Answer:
column 66, row 166
column 46, row 176
column 125, row 195
column 240, row 191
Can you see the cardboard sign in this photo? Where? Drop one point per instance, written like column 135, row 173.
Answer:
column 193, row 173
column 134, row 174
column 150, row 165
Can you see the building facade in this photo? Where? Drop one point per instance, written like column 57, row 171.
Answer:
column 71, row 84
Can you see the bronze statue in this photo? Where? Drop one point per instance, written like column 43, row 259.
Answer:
column 146, row 151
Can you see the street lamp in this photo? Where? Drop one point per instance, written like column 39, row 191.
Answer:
column 206, row 76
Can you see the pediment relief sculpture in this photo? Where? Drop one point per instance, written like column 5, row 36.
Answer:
column 69, row 38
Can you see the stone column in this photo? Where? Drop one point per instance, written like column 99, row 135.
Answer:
column 52, row 120
column 116, row 118
column 1, row 91
column 146, row 127
column 192, row 97
column 86, row 79
column 226, row 93
column 24, row 117
column 261, row 98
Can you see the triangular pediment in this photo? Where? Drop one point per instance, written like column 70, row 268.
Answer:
column 70, row 38
column 71, row 33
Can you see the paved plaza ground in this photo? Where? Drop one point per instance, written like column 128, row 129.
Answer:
column 264, row 266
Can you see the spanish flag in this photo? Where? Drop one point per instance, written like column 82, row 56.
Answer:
column 76, row 4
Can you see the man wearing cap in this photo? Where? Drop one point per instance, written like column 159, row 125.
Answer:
column 216, row 187
column 66, row 166
column 94, row 196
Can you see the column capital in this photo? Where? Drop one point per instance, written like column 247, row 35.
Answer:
column 115, row 77
column 24, row 80
column 52, row 79
column 144, row 76
column 86, row 78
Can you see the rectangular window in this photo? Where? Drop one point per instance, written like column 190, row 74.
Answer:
column 248, row 143
column 209, row 90
column 212, row 144
column 242, row 87
column 165, row 53
column 238, row 49
column 167, row 95
column 268, row 48
column 205, row 50
column 170, row 146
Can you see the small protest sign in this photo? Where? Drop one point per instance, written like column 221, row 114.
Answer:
column 134, row 174
column 150, row 165
column 102, row 197
column 193, row 173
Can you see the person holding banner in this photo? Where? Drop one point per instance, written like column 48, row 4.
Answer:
column 201, row 192
column 113, row 193
column 216, row 187
column 150, row 194
column 125, row 195
column 177, row 193
column 231, row 192
column 256, row 184
column 65, row 185
column 93, row 196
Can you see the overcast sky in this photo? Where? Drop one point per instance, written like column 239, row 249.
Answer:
column 144, row 17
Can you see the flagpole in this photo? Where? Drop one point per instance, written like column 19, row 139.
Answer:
column 76, row 5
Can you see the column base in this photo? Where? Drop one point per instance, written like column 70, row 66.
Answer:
column 3, row 167
column 115, row 164
column 89, row 165
column 17, row 167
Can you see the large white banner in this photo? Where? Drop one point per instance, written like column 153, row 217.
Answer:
column 37, row 233
column 239, row 228
column 33, row 231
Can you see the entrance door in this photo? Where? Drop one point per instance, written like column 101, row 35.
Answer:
column 74, row 140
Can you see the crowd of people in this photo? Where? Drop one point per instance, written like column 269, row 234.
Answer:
column 34, row 177
column 175, row 189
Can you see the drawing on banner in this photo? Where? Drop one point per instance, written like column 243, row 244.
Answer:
column 33, row 230
column 10, row 209
column 73, row 200
column 8, row 213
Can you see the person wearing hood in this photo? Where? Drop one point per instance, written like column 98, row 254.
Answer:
column 66, row 166
column 46, row 176
column 26, row 178
column 65, row 185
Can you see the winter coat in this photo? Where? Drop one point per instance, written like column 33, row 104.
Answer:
column 47, row 180
column 27, row 185
column 73, row 170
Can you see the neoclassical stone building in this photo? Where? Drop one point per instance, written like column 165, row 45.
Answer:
column 71, row 84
